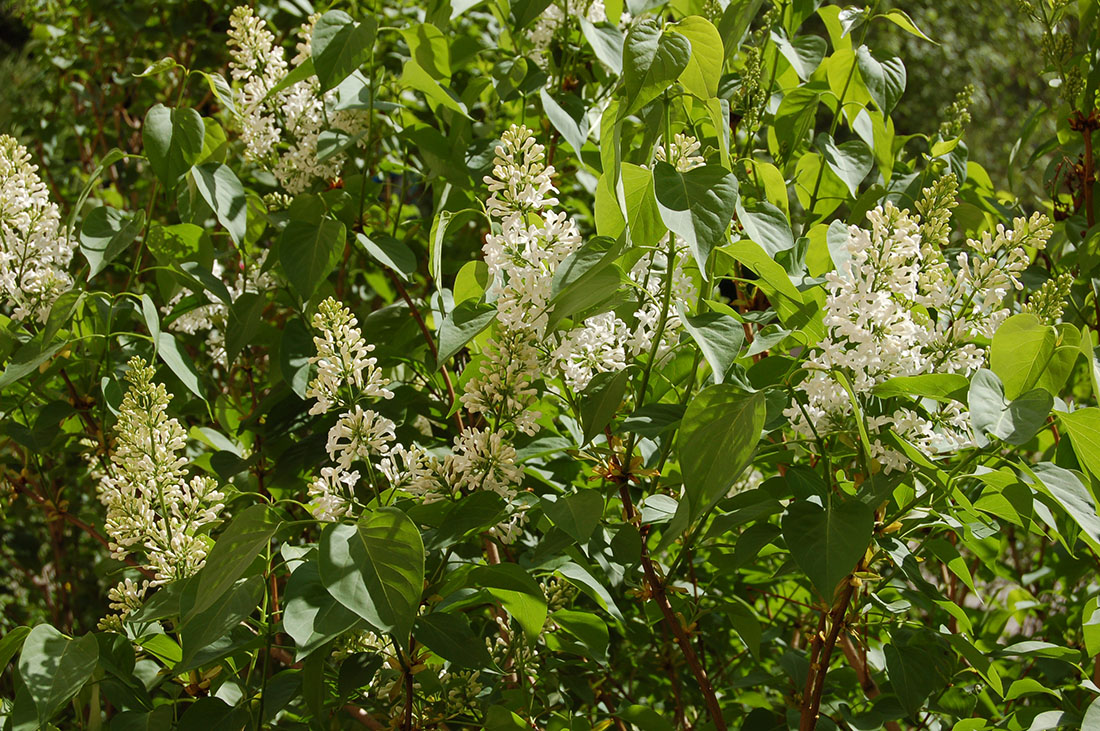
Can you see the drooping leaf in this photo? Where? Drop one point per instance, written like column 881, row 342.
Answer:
column 54, row 668
column 704, row 67
column 172, row 140
column 720, row 429
column 375, row 568
column 223, row 192
column 719, row 337
column 577, row 514
column 698, row 205
column 311, row 616
column 885, row 79
column 827, row 541
column 340, row 46
column 106, row 233
column 307, row 252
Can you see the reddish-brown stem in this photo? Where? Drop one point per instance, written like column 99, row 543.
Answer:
column 819, row 659
column 657, row 590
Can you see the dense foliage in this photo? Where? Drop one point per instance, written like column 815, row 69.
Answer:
column 576, row 365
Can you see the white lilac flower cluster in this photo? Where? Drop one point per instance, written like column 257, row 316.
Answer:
column 212, row 316
column 346, row 374
column 282, row 129
column 35, row 250
column 896, row 308
column 153, row 510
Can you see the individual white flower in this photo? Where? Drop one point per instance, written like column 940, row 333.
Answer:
column 152, row 508
column 35, row 250
column 357, row 435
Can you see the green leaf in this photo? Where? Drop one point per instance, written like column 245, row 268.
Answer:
column 766, row 225
column 221, row 190
column 308, row 252
column 311, row 616
column 524, row 12
column 720, row 429
column 247, row 537
column 577, row 514
column 652, row 61
column 1027, row 354
column 1068, row 491
column 430, row 48
column 704, row 68
column 436, row 94
column 601, row 400
column 574, row 130
column 719, row 337
column 106, row 233
column 1083, row 428
column 827, row 542
column 517, row 592
column 607, row 43
column 885, row 80
column 450, row 637
column 461, row 325
column 172, row 140
column 391, row 253
column 851, row 160
column 916, row 671
column 375, row 568
column 10, row 644
column 901, row 19
column 586, row 627
column 644, row 718
column 1015, row 422
column 54, row 668
column 245, row 318
column 340, row 46
column 698, row 205
column 938, row 386
column 205, row 635
column 1090, row 627
column 179, row 362
column 804, row 53
column 499, row 718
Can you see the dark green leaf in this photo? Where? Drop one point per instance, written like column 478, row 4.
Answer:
column 719, row 337
column 247, row 537
column 54, row 668
column 517, row 592
column 600, row 401
column 450, row 637
column 577, row 514
column 311, row 615
column 461, row 325
column 652, row 61
column 375, row 568
column 221, row 190
column 1015, row 422
column 720, row 429
column 340, row 46
column 308, row 252
column 885, row 80
column 767, row 226
column 391, row 253
column 243, row 323
column 827, row 542
column 106, row 233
